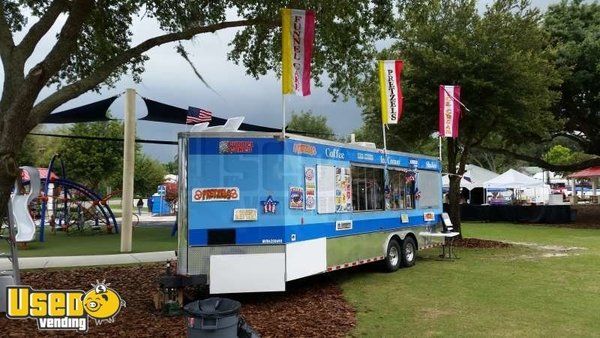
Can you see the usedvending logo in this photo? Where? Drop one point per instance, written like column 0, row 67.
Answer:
column 64, row 309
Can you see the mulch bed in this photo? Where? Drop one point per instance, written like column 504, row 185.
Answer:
column 473, row 243
column 311, row 307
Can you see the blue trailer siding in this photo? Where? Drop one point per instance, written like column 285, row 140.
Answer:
column 254, row 173
column 270, row 168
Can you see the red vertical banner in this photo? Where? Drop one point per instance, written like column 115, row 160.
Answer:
column 450, row 110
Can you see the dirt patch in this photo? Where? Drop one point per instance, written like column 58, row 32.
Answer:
column 553, row 248
column 312, row 308
column 549, row 251
column 480, row 243
column 433, row 313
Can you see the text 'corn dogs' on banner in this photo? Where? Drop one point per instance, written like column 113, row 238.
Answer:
column 449, row 110
column 298, row 28
column 391, row 91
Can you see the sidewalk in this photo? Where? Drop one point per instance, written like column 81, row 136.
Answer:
column 148, row 218
column 91, row 260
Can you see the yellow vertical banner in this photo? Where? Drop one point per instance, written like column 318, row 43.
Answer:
column 391, row 90
column 382, row 90
column 286, row 51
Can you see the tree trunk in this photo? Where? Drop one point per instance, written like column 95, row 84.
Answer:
column 11, row 140
column 8, row 174
column 454, row 207
column 455, row 173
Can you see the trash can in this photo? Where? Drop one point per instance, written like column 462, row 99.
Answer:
column 5, row 281
column 213, row 317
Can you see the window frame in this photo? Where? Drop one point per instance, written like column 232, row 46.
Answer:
column 362, row 168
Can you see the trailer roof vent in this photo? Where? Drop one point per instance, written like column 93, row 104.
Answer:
column 232, row 125
column 199, row 127
column 366, row 144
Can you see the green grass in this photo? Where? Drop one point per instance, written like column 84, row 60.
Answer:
column 487, row 292
column 145, row 239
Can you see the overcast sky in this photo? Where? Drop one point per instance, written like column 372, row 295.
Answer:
column 169, row 79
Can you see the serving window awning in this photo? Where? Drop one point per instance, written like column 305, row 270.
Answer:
column 586, row 173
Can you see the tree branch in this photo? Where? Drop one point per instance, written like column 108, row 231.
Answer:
column 580, row 140
column 541, row 163
column 40, row 28
column 44, row 107
column 6, row 40
column 38, row 76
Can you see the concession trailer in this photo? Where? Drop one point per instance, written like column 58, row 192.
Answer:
column 257, row 210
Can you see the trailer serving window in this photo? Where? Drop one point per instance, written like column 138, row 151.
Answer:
column 429, row 185
column 396, row 198
column 367, row 188
column 401, row 192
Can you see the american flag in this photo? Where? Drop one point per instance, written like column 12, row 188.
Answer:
column 198, row 115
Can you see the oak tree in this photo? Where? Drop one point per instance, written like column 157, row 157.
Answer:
column 94, row 48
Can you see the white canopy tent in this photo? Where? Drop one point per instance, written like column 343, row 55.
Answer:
column 474, row 177
column 533, row 188
column 463, row 183
column 512, row 179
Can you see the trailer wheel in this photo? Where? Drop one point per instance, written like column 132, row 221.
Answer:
column 392, row 258
column 409, row 252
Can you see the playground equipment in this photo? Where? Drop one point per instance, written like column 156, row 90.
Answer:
column 20, row 200
column 63, row 204
column 77, row 208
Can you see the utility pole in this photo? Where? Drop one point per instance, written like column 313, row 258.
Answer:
column 128, row 170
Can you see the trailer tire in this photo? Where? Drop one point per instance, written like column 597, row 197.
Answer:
column 392, row 257
column 409, row 252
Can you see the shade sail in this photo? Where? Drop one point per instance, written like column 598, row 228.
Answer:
column 92, row 112
column 512, row 179
column 585, row 173
column 162, row 112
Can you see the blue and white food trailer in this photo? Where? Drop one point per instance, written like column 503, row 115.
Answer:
column 257, row 210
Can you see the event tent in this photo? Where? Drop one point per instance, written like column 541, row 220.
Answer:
column 464, row 183
column 474, row 177
column 587, row 173
column 512, row 179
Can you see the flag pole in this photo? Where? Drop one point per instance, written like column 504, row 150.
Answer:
column 283, row 116
column 384, row 139
column 440, row 147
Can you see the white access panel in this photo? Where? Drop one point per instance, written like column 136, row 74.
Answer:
column 247, row 273
column 306, row 258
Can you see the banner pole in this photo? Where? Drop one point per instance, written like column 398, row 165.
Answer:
column 384, row 139
column 440, row 147
column 283, row 117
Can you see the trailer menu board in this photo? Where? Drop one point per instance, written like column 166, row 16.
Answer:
column 343, row 190
column 325, row 189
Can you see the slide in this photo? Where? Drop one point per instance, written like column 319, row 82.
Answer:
column 21, row 217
